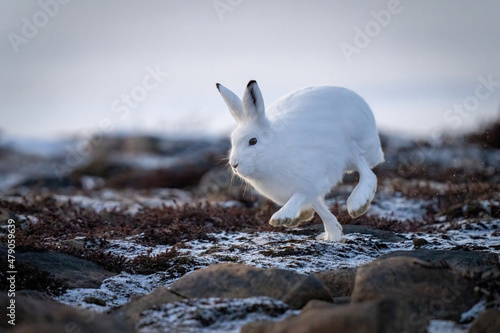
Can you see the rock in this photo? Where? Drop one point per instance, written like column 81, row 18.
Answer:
column 34, row 294
column 34, row 315
column 149, row 162
column 432, row 291
column 464, row 210
column 376, row 316
column 179, row 175
column 209, row 314
column 318, row 305
column 5, row 216
column 487, row 322
column 220, row 184
column 382, row 235
column 131, row 311
column 242, row 281
column 342, row 300
column 94, row 300
column 419, row 242
column 220, row 179
column 49, row 182
column 452, row 258
column 75, row 272
column 339, row 282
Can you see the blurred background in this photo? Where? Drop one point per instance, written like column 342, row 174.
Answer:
column 98, row 94
column 80, row 67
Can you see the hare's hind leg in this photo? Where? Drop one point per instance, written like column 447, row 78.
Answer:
column 333, row 229
column 362, row 195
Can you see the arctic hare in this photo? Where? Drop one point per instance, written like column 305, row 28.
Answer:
column 300, row 147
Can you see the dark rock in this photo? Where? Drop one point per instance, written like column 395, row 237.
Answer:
column 220, row 181
column 418, row 242
column 131, row 311
column 94, row 300
column 432, row 291
column 170, row 163
column 382, row 235
column 46, row 316
column 34, row 294
column 339, row 282
column 318, row 305
column 75, row 272
column 5, row 215
column 464, row 210
column 488, row 135
column 49, row 182
column 386, row 316
column 487, row 322
column 242, row 281
column 342, row 300
column 177, row 176
column 452, row 258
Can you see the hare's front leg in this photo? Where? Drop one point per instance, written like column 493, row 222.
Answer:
column 333, row 229
column 293, row 212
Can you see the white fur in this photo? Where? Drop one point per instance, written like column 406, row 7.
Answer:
column 306, row 141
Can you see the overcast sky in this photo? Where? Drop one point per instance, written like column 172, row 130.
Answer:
column 151, row 66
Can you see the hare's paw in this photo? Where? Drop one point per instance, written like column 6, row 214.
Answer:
column 282, row 219
column 360, row 199
column 304, row 216
column 356, row 209
column 334, row 237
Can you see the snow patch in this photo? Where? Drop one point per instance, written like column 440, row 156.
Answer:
column 395, row 206
column 211, row 315
column 445, row 326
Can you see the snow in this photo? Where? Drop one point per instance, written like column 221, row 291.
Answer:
column 115, row 291
column 129, row 202
column 395, row 206
column 211, row 315
column 445, row 326
column 473, row 312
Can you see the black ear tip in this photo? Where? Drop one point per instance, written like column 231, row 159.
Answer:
column 217, row 85
column 251, row 82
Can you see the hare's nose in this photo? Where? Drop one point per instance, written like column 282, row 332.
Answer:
column 235, row 165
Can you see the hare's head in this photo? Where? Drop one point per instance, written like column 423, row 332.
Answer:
column 251, row 140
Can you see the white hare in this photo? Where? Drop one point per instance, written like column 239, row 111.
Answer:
column 300, row 147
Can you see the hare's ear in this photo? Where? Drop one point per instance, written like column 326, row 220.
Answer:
column 233, row 102
column 253, row 103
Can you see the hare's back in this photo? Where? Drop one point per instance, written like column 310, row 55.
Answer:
column 339, row 107
column 335, row 116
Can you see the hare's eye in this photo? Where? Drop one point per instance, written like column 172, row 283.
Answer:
column 252, row 141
